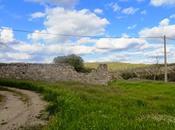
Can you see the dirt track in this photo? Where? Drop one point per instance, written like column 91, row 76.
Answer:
column 20, row 109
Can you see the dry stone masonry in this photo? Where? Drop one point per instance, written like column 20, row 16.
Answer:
column 53, row 73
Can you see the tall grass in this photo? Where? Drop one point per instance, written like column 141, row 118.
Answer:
column 122, row 105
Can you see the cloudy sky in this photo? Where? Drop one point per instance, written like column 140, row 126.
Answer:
column 39, row 30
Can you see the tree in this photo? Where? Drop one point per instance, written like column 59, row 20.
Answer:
column 73, row 60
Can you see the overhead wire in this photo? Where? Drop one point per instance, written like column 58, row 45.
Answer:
column 86, row 36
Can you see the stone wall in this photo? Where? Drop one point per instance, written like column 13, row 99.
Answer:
column 53, row 73
column 152, row 72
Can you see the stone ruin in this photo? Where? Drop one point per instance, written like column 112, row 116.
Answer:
column 53, row 73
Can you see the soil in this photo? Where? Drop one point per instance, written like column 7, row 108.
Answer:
column 21, row 109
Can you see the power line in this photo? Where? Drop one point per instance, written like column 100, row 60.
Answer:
column 85, row 36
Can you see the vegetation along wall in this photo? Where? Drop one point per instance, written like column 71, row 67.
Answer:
column 53, row 73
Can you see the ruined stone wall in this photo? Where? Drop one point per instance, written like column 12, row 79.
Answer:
column 152, row 72
column 53, row 73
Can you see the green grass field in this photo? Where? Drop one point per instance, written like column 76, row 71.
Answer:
column 122, row 105
column 115, row 66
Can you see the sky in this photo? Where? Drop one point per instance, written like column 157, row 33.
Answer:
column 128, row 31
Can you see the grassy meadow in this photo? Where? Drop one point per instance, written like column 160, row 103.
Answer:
column 121, row 105
column 115, row 66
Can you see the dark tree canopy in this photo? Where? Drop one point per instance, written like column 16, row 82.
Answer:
column 73, row 60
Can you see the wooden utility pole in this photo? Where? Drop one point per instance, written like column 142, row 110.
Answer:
column 165, row 61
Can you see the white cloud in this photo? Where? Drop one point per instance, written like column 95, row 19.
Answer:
column 130, row 50
column 32, row 51
column 18, row 56
column 78, row 47
column 85, row 41
column 22, row 51
column 120, row 43
column 64, row 3
column 98, row 11
column 172, row 16
column 115, row 7
column 162, row 2
column 44, row 47
column 6, row 35
column 164, row 28
column 67, row 49
column 130, row 10
column 73, row 22
column 27, row 48
column 37, row 15
column 164, row 22
column 132, row 27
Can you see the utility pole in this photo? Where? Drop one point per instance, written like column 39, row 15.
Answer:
column 165, row 61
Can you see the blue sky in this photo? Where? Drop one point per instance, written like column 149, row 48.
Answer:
column 105, row 18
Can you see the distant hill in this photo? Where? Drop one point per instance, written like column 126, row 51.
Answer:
column 115, row 66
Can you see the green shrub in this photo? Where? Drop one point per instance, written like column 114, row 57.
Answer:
column 73, row 60
column 128, row 75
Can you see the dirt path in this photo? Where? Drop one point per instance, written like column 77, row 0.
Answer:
column 20, row 109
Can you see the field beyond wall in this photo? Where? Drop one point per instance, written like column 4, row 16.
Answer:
column 115, row 66
column 122, row 105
